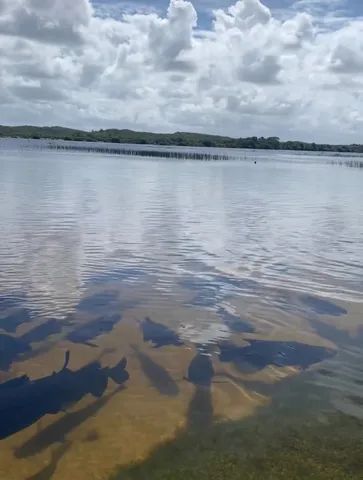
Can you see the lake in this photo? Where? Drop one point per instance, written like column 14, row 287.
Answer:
column 165, row 318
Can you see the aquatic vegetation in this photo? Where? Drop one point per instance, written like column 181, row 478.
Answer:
column 91, row 330
column 261, row 353
column 24, row 401
column 158, row 376
column 257, row 449
column 158, row 334
column 353, row 163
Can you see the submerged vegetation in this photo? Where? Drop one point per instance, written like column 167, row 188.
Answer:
column 349, row 163
column 255, row 449
column 177, row 138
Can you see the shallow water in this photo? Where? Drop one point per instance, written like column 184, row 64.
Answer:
column 218, row 282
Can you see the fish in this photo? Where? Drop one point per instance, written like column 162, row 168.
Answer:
column 13, row 320
column 261, row 353
column 158, row 334
column 201, row 371
column 322, row 306
column 24, row 401
column 234, row 322
column 10, row 349
column 43, row 331
column 89, row 331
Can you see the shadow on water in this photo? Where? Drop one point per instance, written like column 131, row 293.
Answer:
column 47, row 472
column 200, row 410
column 322, row 306
column 158, row 334
column 261, row 353
column 158, row 376
column 24, row 401
column 91, row 330
column 58, row 431
column 13, row 320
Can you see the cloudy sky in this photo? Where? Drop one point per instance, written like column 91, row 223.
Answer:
column 290, row 68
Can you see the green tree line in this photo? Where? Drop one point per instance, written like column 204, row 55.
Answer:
column 177, row 138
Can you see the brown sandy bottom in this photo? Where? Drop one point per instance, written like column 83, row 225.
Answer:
column 96, row 436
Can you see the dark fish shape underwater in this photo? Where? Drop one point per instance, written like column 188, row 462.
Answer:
column 201, row 371
column 24, row 401
column 11, row 348
column 91, row 330
column 235, row 322
column 158, row 334
column 13, row 320
column 321, row 306
column 261, row 353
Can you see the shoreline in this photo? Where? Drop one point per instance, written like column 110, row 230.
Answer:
column 177, row 139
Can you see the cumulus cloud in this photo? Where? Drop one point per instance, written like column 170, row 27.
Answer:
column 251, row 73
column 57, row 21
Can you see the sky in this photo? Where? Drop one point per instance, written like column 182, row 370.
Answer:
column 286, row 68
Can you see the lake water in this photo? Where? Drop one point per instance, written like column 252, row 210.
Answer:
column 229, row 287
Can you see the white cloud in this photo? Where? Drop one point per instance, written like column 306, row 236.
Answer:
column 250, row 74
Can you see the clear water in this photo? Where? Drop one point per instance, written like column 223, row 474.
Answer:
column 244, row 271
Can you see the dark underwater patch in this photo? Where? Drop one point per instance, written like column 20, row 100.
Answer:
column 99, row 301
column 158, row 376
column 91, row 330
column 43, row 331
column 24, row 401
column 321, row 306
column 234, row 322
column 158, row 334
column 261, row 353
column 13, row 320
column 10, row 349
column 201, row 371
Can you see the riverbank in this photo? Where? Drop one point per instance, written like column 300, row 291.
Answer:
column 186, row 139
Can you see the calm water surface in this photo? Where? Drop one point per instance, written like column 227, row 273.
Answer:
column 224, row 285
